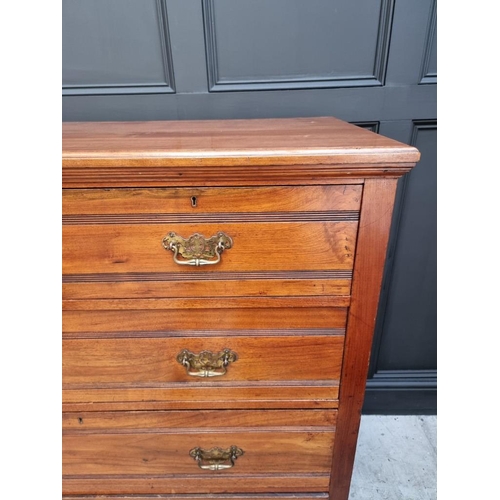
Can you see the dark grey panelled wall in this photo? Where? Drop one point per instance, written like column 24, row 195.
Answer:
column 371, row 62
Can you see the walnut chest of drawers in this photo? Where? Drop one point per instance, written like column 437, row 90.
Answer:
column 220, row 289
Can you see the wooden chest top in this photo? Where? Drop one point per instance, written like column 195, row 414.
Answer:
column 180, row 152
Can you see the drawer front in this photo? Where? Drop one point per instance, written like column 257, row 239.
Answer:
column 214, row 200
column 165, row 451
column 216, row 284
column 285, row 241
column 272, row 452
column 117, row 357
column 147, row 421
column 127, row 362
column 217, row 485
column 256, row 246
column 228, row 317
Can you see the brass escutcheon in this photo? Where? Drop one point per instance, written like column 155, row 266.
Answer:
column 197, row 250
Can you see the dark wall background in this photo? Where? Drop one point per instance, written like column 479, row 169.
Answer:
column 370, row 62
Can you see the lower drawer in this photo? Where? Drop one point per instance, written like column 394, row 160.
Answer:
column 176, row 452
column 198, row 485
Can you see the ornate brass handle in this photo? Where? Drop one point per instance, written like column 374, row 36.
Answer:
column 216, row 458
column 206, row 363
column 198, row 250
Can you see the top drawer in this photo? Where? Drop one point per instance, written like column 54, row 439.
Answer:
column 278, row 200
column 121, row 231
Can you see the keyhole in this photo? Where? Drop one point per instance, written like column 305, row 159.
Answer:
column 193, row 201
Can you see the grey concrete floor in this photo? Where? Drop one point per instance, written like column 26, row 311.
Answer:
column 396, row 459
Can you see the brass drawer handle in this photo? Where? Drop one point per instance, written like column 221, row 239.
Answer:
column 198, row 250
column 215, row 458
column 206, row 363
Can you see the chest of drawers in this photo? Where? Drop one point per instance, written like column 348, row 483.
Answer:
column 220, row 289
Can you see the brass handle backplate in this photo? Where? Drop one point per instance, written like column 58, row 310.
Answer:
column 206, row 363
column 216, row 458
column 197, row 250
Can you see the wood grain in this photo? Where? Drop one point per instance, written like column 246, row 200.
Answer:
column 155, row 218
column 274, row 246
column 290, row 394
column 145, row 421
column 145, row 454
column 205, row 483
column 153, row 360
column 377, row 205
column 192, row 303
column 234, row 142
column 220, row 319
column 126, row 286
column 280, row 199
column 130, row 176
column 285, row 332
column 298, row 151
column 220, row 496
